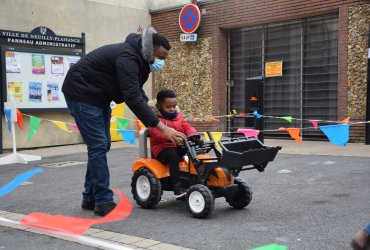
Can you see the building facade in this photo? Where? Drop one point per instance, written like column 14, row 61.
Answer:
column 323, row 47
column 103, row 22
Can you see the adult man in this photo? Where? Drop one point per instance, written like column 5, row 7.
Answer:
column 115, row 72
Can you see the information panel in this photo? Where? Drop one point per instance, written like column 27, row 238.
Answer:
column 33, row 79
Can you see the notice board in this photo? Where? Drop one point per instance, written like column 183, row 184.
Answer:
column 33, row 78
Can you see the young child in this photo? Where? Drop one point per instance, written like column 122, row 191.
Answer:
column 164, row 150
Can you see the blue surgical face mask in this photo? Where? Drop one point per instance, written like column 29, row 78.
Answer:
column 157, row 65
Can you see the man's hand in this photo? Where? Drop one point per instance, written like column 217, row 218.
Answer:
column 174, row 136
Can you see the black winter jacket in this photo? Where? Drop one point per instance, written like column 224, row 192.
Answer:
column 115, row 72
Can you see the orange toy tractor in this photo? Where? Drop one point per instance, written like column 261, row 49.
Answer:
column 205, row 176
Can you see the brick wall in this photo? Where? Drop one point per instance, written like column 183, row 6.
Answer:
column 223, row 15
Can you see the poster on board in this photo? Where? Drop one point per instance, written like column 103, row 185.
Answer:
column 34, row 79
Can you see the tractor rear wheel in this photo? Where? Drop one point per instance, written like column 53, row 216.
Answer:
column 146, row 188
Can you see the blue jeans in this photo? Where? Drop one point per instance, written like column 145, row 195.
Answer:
column 94, row 125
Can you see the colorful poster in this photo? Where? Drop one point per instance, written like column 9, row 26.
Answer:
column 118, row 110
column 72, row 61
column 35, row 92
column 38, row 64
column 15, row 93
column 274, row 69
column 12, row 62
column 57, row 65
column 53, row 92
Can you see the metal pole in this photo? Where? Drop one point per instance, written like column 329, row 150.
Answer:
column 13, row 136
column 83, row 44
column 228, row 82
column 301, row 87
column 367, row 136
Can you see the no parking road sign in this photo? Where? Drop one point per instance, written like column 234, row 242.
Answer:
column 189, row 18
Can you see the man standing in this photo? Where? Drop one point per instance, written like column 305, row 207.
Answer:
column 115, row 72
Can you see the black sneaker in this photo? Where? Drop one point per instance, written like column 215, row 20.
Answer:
column 88, row 205
column 105, row 208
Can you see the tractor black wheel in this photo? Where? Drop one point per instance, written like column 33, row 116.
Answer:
column 146, row 188
column 243, row 196
column 199, row 201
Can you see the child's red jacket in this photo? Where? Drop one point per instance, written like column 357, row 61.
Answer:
column 158, row 142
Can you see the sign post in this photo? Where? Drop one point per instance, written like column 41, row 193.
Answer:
column 10, row 108
column 189, row 20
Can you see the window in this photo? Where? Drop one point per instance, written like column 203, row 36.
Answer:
column 308, row 87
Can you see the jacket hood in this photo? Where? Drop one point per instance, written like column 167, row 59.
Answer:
column 135, row 41
column 153, row 105
column 147, row 49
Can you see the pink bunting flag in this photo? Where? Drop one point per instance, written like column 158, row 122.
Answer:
column 75, row 225
column 315, row 123
column 248, row 132
column 74, row 126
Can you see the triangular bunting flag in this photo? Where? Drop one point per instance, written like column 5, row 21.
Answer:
column 287, row 118
column 34, row 125
column 258, row 116
column 294, row 133
column 344, row 121
column 20, row 119
column 337, row 134
column 128, row 136
column 248, row 132
column 216, row 137
column 139, row 125
column 8, row 115
column 61, row 125
column 315, row 123
column 122, row 123
column 213, row 119
column 272, row 247
column 74, row 126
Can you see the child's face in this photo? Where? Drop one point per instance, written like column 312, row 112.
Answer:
column 168, row 105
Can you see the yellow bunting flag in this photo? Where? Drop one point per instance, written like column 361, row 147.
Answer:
column 61, row 125
column 294, row 133
column 344, row 121
column 216, row 137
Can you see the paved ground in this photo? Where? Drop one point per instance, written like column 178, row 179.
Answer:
column 314, row 197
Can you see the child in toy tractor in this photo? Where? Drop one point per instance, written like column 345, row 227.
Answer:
column 162, row 149
column 203, row 176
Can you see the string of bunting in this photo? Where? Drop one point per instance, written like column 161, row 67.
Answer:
column 338, row 134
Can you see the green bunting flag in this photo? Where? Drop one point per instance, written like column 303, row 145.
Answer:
column 34, row 125
column 287, row 118
column 272, row 247
column 122, row 123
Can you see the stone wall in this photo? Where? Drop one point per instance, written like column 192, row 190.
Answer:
column 188, row 72
column 359, row 22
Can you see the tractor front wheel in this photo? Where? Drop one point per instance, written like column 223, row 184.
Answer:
column 199, row 201
column 242, row 197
